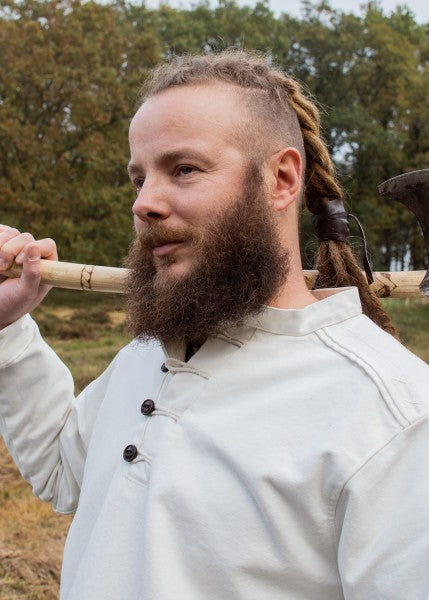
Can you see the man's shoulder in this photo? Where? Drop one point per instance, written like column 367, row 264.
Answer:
column 398, row 372
column 137, row 351
column 133, row 363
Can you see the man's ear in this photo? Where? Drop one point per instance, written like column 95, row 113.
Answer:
column 285, row 171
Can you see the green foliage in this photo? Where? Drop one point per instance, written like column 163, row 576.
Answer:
column 411, row 316
column 71, row 71
column 66, row 96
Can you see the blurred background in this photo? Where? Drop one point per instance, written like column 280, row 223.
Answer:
column 70, row 76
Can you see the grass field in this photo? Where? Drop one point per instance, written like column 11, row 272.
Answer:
column 87, row 330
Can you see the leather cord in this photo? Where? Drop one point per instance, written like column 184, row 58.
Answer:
column 365, row 258
column 331, row 223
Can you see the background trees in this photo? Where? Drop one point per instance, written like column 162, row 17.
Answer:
column 70, row 74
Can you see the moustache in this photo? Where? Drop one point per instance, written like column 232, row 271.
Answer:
column 158, row 235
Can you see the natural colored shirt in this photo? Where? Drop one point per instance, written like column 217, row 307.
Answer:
column 287, row 459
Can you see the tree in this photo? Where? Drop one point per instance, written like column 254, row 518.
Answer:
column 66, row 98
column 71, row 71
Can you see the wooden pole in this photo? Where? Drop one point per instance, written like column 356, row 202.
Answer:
column 73, row 276
column 395, row 284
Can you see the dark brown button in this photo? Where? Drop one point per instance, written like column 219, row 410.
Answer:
column 164, row 369
column 147, row 407
column 130, row 453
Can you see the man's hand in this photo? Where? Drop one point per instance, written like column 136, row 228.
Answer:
column 22, row 295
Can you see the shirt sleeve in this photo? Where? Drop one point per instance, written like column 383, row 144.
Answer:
column 382, row 521
column 45, row 427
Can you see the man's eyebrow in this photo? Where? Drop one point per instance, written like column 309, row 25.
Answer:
column 133, row 169
column 179, row 154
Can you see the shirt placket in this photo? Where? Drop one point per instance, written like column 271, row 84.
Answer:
column 154, row 419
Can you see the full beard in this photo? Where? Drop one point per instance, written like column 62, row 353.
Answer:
column 239, row 266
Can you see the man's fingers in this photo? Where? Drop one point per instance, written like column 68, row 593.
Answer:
column 13, row 246
column 11, row 241
column 23, row 294
column 6, row 235
column 22, row 248
column 31, row 272
column 4, row 227
column 48, row 250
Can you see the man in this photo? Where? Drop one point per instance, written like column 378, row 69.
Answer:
column 257, row 440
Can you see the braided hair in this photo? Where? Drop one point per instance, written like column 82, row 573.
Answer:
column 279, row 115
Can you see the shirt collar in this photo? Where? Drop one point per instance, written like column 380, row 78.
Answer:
column 333, row 306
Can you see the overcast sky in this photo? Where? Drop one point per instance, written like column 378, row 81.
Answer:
column 420, row 8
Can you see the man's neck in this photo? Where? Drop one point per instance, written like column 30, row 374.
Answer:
column 294, row 293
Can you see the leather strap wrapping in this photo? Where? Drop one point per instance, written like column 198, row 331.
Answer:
column 331, row 222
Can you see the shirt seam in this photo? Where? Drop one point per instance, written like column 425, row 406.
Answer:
column 366, row 462
column 329, row 340
column 235, row 341
column 307, row 332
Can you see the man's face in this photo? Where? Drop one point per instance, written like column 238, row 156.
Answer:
column 207, row 251
column 186, row 166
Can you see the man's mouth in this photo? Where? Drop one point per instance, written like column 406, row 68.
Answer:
column 164, row 248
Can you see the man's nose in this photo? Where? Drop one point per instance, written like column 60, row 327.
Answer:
column 152, row 202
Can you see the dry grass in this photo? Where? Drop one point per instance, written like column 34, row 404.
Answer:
column 87, row 332
column 31, row 539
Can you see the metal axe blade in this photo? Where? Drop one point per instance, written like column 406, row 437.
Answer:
column 412, row 189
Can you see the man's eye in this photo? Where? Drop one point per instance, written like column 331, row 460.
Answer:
column 184, row 170
column 138, row 183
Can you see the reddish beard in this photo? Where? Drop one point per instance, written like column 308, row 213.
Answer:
column 239, row 265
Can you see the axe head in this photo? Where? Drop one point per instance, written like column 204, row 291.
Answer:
column 412, row 189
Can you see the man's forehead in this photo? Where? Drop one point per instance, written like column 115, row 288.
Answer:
column 189, row 109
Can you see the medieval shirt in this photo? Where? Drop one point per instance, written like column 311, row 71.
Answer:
column 288, row 459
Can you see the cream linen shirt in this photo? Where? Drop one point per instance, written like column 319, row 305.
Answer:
column 288, row 459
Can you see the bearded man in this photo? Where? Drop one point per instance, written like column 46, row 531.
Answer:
column 257, row 440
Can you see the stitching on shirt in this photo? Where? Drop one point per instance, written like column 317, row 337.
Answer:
column 230, row 340
column 163, row 385
column 368, row 460
column 327, row 339
column 398, row 376
column 163, row 411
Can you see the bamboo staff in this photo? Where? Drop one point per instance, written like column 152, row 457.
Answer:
column 396, row 284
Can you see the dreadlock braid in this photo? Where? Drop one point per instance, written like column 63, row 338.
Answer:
column 336, row 262
column 270, row 93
